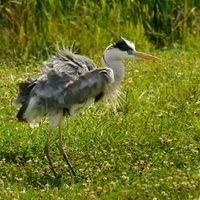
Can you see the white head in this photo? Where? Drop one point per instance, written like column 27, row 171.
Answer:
column 122, row 49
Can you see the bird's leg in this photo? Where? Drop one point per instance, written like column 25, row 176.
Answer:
column 46, row 151
column 62, row 151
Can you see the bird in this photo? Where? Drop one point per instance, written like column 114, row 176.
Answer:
column 69, row 82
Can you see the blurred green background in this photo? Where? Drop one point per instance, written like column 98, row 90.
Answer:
column 34, row 28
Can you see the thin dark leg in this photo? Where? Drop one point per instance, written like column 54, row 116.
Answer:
column 62, row 151
column 46, row 151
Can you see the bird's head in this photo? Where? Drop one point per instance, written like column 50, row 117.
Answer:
column 124, row 49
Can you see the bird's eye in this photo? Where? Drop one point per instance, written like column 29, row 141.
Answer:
column 129, row 51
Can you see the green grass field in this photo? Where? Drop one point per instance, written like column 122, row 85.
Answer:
column 149, row 150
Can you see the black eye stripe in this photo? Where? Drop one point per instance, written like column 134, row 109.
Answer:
column 121, row 44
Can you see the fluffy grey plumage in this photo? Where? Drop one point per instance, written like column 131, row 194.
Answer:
column 67, row 82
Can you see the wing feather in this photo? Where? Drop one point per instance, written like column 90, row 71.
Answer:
column 59, row 71
column 87, row 86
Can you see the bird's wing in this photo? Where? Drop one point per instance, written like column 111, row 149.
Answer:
column 87, row 86
column 59, row 71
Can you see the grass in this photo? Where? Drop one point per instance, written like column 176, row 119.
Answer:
column 150, row 150
column 32, row 28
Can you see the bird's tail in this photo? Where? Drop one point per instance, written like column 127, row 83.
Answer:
column 23, row 98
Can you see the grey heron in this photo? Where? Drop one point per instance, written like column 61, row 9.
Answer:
column 68, row 82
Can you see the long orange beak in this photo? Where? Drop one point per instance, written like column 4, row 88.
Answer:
column 145, row 56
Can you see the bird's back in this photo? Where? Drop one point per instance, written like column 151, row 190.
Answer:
column 69, row 60
column 60, row 70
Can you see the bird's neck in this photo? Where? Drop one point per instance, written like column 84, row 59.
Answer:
column 113, row 90
column 116, row 65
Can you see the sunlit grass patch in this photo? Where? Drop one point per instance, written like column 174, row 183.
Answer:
column 149, row 150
